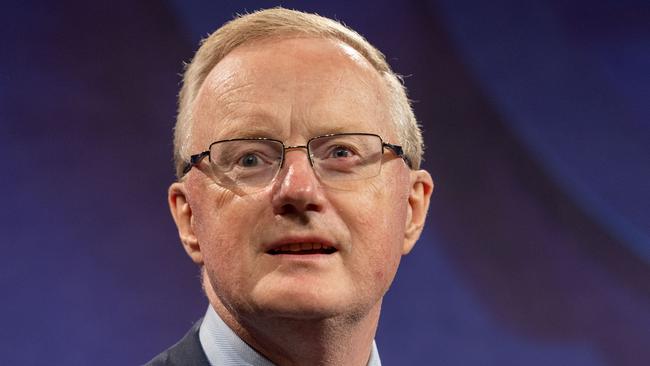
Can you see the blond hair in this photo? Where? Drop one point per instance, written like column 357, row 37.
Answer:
column 279, row 22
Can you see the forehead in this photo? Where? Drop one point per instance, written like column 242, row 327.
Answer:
column 284, row 88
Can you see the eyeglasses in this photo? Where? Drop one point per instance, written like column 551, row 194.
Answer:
column 339, row 160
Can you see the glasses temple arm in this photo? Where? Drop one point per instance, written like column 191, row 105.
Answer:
column 194, row 160
column 399, row 151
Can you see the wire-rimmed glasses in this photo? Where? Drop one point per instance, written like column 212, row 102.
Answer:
column 338, row 160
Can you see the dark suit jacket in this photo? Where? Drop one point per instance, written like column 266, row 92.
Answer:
column 187, row 352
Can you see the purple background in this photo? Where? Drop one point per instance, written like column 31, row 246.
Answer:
column 536, row 119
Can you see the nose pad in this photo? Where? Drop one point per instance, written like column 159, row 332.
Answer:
column 297, row 148
column 296, row 188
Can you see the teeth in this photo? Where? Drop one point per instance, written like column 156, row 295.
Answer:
column 296, row 247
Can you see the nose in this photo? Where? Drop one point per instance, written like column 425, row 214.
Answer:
column 296, row 189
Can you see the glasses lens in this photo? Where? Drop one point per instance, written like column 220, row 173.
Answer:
column 344, row 158
column 245, row 164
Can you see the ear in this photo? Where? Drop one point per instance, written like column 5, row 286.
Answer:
column 418, row 205
column 182, row 214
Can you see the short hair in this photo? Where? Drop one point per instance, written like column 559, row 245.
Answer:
column 285, row 23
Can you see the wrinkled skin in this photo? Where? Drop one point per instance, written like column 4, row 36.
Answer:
column 292, row 90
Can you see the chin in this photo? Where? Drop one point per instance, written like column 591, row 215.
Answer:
column 303, row 304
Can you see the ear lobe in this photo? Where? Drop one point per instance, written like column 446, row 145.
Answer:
column 182, row 214
column 418, row 205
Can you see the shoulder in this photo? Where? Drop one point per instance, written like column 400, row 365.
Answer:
column 187, row 352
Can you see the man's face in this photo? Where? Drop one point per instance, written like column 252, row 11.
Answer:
column 292, row 90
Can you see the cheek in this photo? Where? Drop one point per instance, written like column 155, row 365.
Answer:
column 380, row 211
column 376, row 220
column 218, row 225
column 209, row 214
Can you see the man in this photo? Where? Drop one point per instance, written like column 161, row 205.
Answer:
column 299, row 190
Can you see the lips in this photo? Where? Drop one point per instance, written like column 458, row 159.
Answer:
column 301, row 247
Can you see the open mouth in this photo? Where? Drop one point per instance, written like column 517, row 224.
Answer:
column 302, row 249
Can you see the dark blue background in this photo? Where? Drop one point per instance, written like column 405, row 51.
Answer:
column 536, row 119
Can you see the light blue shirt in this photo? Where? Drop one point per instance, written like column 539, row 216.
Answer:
column 224, row 347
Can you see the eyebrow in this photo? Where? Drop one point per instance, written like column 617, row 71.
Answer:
column 326, row 130
column 248, row 127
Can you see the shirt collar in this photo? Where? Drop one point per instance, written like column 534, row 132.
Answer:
column 223, row 347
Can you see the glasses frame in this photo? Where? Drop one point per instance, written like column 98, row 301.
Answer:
column 196, row 159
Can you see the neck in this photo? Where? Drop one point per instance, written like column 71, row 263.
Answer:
column 341, row 340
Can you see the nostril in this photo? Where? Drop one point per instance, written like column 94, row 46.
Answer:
column 287, row 209
column 313, row 207
column 296, row 208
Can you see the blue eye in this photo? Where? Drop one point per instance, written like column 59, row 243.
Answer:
column 341, row 152
column 249, row 160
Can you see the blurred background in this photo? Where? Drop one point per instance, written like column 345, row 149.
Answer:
column 537, row 125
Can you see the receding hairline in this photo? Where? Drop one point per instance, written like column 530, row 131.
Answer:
column 341, row 48
column 340, row 33
column 251, row 59
column 371, row 62
column 286, row 24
